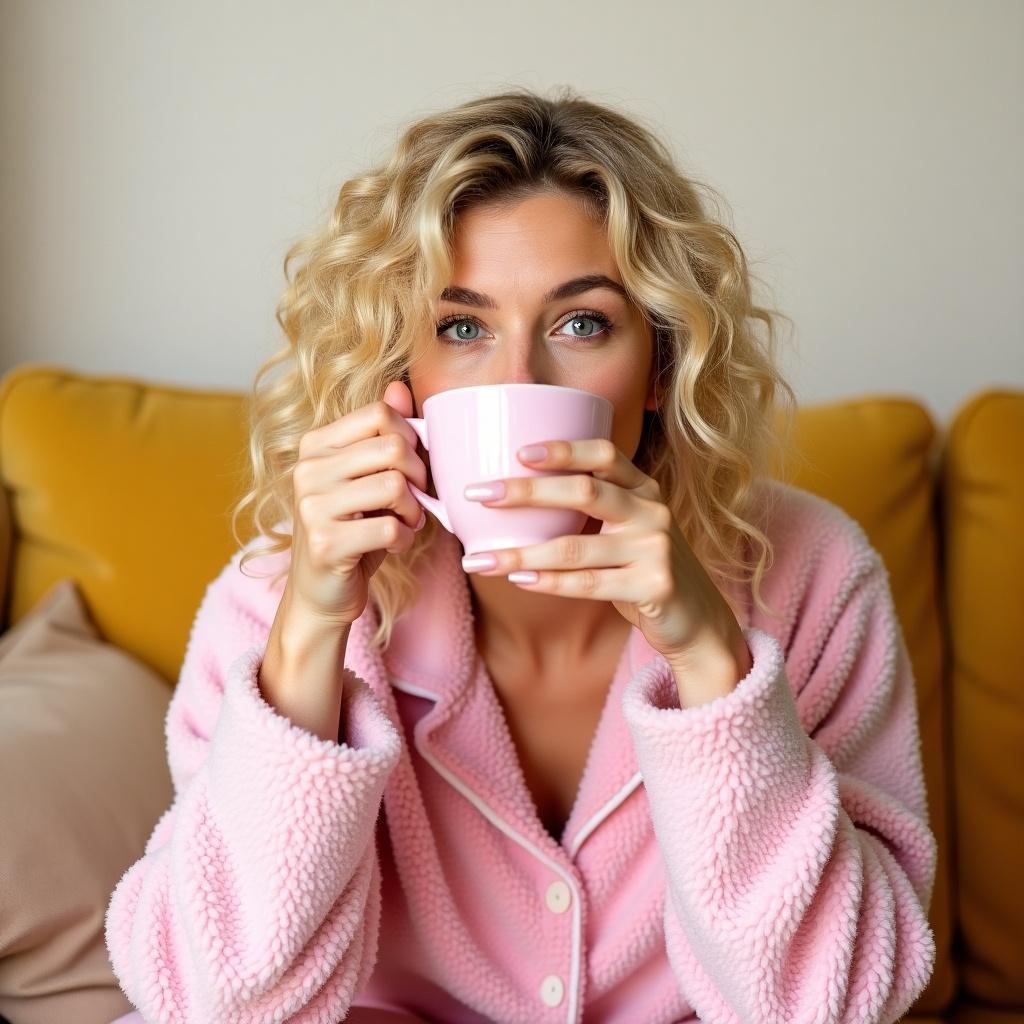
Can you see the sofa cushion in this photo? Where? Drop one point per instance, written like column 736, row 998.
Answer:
column 875, row 457
column 127, row 486
column 85, row 779
column 982, row 499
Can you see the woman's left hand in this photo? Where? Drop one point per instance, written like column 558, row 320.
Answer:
column 640, row 561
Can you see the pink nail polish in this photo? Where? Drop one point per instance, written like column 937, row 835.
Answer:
column 523, row 576
column 481, row 561
column 533, row 453
column 485, row 492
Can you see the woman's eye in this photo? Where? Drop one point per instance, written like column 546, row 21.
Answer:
column 583, row 325
column 461, row 323
column 596, row 325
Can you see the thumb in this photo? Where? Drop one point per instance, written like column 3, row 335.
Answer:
column 399, row 396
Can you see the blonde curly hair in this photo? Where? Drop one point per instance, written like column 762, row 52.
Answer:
column 368, row 281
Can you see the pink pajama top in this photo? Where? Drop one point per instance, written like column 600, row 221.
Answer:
column 760, row 858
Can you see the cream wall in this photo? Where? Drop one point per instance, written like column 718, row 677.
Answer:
column 159, row 158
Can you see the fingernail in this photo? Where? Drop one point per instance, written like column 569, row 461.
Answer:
column 523, row 576
column 485, row 492
column 533, row 453
column 423, row 520
column 471, row 563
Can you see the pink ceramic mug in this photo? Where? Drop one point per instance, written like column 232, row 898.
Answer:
column 472, row 434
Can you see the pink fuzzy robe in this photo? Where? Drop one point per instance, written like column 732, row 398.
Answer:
column 762, row 858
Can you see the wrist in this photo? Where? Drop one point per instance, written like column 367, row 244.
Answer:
column 710, row 668
column 303, row 626
column 301, row 641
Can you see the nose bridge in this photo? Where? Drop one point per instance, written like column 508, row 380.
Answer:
column 524, row 354
column 525, row 364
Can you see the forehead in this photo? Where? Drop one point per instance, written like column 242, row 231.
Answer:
column 535, row 244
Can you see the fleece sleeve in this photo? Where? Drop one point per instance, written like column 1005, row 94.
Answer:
column 258, row 894
column 794, row 829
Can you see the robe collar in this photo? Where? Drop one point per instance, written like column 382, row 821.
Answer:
column 465, row 735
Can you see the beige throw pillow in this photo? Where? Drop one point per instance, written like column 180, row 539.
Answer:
column 83, row 780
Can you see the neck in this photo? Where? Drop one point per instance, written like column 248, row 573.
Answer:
column 543, row 635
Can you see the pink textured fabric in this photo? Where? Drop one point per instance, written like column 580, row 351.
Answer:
column 764, row 857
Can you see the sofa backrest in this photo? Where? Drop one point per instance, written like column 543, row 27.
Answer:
column 127, row 487
column 982, row 515
column 877, row 457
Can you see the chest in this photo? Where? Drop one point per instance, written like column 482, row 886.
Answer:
column 552, row 735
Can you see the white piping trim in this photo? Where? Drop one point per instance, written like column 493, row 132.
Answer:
column 603, row 812
column 488, row 812
column 606, row 809
column 416, row 691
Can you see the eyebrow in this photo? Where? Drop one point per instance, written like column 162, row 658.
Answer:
column 468, row 297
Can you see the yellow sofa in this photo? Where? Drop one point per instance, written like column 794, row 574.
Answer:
column 125, row 486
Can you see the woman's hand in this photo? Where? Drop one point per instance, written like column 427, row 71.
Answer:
column 640, row 561
column 352, row 505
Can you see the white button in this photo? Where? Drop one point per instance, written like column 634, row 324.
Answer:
column 558, row 897
column 552, row 990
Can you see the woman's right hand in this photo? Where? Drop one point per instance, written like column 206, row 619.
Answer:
column 352, row 505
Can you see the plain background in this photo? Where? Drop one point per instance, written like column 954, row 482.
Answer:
column 158, row 159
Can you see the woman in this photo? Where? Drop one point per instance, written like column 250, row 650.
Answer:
column 632, row 789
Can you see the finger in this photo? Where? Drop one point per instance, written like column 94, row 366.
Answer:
column 574, row 551
column 366, row 421
column 598, row 455
column 364, row 535
column 620, row 584
column 598, row 498
column 371, row 455
column 375, row 496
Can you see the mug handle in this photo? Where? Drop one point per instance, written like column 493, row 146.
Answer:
column 431, row 504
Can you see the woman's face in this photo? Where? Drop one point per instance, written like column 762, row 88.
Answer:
column 591, row 338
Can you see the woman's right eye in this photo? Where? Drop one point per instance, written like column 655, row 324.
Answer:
column 450, row 321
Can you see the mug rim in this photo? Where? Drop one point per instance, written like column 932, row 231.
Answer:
column 518, row 384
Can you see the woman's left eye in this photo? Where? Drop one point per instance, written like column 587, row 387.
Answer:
column 598, row 318
column 574, row 321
